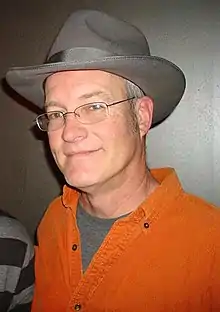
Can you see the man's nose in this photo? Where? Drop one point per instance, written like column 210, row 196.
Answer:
column 73, row 130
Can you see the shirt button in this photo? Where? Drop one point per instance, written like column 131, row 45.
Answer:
column 74, row 247
column 146, row 225
column 77, row 307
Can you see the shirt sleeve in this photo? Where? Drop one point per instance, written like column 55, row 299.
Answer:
column 16, row 267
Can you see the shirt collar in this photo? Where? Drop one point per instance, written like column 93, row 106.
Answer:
column 164, row 194
column 161, row 200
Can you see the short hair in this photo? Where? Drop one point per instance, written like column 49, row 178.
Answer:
column 133, row 90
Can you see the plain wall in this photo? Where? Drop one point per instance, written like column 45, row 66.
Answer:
column 185, row 32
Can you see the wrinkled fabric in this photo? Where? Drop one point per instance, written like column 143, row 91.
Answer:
column 165, row 256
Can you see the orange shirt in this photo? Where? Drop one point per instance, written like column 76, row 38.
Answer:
column 165, row 256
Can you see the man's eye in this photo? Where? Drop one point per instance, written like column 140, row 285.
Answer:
column 96, row 106
column 54, row 115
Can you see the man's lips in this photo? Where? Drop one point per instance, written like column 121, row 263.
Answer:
column 80, row 153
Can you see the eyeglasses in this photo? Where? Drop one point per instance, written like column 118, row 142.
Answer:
column 86, row 114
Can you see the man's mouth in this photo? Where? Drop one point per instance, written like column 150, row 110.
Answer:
column 81, row 153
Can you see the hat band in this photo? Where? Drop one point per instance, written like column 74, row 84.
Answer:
column 83, row 54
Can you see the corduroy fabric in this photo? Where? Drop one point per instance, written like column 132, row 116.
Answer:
column 165, row 256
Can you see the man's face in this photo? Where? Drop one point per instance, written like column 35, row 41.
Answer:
column 92, row 154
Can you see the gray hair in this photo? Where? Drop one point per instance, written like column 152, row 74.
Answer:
column 133, row 90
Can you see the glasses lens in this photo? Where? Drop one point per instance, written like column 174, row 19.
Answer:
column 92, row 113
column 50, row 121
column 42, row 121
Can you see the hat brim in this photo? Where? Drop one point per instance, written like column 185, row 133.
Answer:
column 160, row 79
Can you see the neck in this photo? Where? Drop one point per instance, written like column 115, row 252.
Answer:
column 123, row 196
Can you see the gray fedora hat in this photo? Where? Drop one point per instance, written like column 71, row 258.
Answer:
column 91, row 40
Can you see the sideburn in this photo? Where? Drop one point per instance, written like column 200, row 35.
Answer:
column 133, row 120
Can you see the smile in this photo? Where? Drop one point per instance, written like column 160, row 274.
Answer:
column 82, row 153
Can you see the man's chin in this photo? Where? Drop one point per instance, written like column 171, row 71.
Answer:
column 80, row 184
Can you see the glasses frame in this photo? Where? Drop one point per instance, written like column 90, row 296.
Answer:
column 77, row 115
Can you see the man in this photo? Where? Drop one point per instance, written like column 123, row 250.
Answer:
column 121, row 237
column 16, row 266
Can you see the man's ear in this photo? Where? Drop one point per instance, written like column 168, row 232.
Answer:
column 144, row 111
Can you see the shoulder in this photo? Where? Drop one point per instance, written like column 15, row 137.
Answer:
column 53, row 220
column 15, row 240
column 57, row 215
column 59, row 206
column 16, row 264
column 199, row 215
column 199, row 205
column 13, row 228
column 54, row 211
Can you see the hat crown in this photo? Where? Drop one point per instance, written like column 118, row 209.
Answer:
column 96, row 30
column 93, row 40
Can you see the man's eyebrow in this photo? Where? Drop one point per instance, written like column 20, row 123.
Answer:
column 53, row 103
column 85, row 96
column 89, row 95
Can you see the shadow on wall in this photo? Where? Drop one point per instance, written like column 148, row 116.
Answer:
column 39, row 135
column 19, row 99
column 42, row 136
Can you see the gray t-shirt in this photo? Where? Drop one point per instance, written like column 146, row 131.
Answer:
column 93, row 231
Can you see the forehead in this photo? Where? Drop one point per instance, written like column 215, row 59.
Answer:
column 79, row 82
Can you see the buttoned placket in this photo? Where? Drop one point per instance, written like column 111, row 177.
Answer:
column 111, row 249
